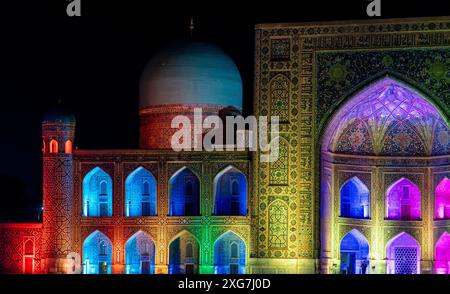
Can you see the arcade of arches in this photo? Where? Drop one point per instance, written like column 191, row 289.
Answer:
column 383, row 182
column 361, row 184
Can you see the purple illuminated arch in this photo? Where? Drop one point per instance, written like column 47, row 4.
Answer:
column 355, row 199
column 403, row 201
column 403, row 255
column 387, row 118
column 354, row 253
column 442, row 257
column 442, row 204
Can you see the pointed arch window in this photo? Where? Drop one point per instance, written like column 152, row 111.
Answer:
column 230, row 192
column 184, row 193
column 189, row 250
column 355, row 199
column 68, row 147
column 53, row 146
column 234, row 250
column 403, row 201
column 103, row 188
column 145, row 188
column 442, row 200
column 145, row 248
column 103, row 248
column 235, row 188
column 97, row 193
column 29, row 247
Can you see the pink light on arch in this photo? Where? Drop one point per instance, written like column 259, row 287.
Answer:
column 443, row 254
column 403, row 201
column 442, row 203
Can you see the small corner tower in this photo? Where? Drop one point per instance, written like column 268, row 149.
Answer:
column 58, row 129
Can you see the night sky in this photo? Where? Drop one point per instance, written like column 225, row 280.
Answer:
column 93, row 64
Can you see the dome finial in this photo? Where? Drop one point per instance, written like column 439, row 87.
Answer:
column 191, row 26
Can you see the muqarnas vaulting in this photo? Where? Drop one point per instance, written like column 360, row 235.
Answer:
column 362, row 183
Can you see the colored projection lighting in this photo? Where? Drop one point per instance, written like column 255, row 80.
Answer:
column 229, row 254
column 140, row 193
column 230, row 188
column 97, row 254
column 97, row 193
column 387, row 119
column 403, row 201
column 184, row 187
column 184, row 255
column 140, row 254
column 355, row 199
column 403, row 255
column 354, row 253
column 442, row 205
column 442, row 264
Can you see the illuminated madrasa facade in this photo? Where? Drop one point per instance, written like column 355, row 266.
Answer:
column 361, row 185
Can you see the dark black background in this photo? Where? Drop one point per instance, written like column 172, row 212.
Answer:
column 93, row 64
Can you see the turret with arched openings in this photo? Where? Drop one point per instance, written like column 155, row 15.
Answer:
column 58, row 127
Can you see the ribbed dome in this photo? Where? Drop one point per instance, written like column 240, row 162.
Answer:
column 191, row 73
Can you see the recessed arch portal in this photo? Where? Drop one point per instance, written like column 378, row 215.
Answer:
column 442, row 254
column 184, row 253
column 97, row 193
column 97, row 254
column 230, row 192
column 229, row 254
column 355, row 199
column 403, row 255
column 140, row 254
column 28, row 256
column 184, row 190
column 387, row 118
column 385, row 123
column 140, row 193
column 403, row 201
column 354, row 252
column 442, row 200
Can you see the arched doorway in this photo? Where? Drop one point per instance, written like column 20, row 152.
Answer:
column 28, row 256
column 184, row 253
column 229, row 254
column 442, row 254
column 184, row 190
column 230, row 192
column 140, row 254
column 97, row 254
column 97, row 193
column 403, row 201
column 354, row 251
column 403, row 255
column 355, row 199
column 140, row 193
